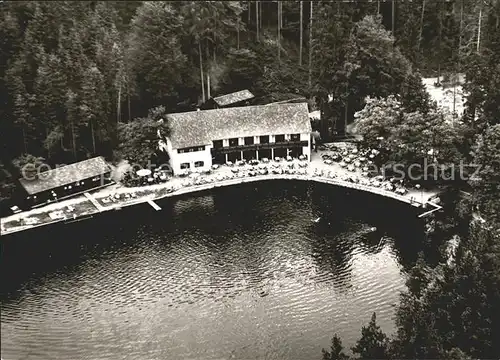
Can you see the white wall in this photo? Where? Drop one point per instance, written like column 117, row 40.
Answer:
column 177, row 159
column 170, row 153
column 306, row 150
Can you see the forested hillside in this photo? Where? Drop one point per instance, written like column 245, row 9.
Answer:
column 72, row 72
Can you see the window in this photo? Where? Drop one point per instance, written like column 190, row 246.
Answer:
column 295, row 137
column 249, row 140
column 264, row 139
column 199, row 164
column 218, row 144
column 279, row 138
column 185, row 166
column 190, row 149
column 233, row 142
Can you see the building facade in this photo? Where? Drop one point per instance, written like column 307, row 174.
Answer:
column 201, row 139
column 64, row 181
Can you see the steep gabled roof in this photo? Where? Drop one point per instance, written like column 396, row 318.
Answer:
column 65, row 175
column 225, row 100
column 202, row 127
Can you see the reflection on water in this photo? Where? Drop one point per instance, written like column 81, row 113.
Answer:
column 240, row 273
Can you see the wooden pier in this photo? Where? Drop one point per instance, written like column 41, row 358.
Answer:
column 98, row 206
column 154, row 205
column 436, row 208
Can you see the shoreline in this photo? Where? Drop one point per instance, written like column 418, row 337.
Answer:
column 194, row 189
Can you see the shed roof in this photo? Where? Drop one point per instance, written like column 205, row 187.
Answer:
column 65, row 175
column 202, row 127
column 233, row 98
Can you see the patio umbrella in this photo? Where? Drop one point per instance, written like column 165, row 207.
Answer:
column 143, row 172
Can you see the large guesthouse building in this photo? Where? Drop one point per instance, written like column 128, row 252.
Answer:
column 200, row 139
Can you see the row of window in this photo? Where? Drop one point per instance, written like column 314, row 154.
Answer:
column 249, row 140
column 196, row 164
column 191, row 149
column 68, row 187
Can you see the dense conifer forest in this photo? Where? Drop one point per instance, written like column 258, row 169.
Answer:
column 85, row 78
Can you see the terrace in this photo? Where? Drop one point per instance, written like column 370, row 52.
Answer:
column 319, row 169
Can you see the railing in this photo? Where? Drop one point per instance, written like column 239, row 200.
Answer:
column 307, row 177
column 191, row 188
column 278, row 145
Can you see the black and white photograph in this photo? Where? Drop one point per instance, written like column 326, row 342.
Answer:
column 250, row 180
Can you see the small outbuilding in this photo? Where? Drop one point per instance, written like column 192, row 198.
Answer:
column 65, row 181
column 239, row 98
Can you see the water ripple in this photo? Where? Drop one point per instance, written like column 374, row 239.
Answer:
column 240, row 274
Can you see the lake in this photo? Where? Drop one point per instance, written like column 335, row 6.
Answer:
column 242, row 272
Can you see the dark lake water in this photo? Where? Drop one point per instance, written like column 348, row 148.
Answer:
column 240, row 272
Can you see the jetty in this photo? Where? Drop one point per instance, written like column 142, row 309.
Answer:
column 93, row 201
column 154, row 205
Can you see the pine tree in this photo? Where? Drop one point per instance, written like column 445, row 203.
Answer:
column 486, row 183
column 92, row 108
column 73, row 120
column 373, row 343
column 336, row 351
column 155, row 50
